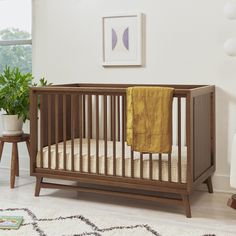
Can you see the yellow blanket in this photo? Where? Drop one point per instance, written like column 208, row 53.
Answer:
column 149, row 119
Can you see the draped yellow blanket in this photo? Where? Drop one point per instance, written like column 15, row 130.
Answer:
column 149, row 119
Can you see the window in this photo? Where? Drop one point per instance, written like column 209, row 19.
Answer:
column 15, row 34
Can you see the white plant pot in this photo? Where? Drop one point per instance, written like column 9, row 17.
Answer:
column 12, row 125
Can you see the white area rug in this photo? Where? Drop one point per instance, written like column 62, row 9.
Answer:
column 80, row 225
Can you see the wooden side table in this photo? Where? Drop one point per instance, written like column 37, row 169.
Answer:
column 15, row 157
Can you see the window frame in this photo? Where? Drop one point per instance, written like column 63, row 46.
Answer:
column 16, row 42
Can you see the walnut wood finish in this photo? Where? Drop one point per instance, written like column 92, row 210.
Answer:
column 15, row 156
column 14, row 164
column 1, row 149
column 186, row 204
column 208, row 182
column 163, row 200
column 15, row 153
column 202, row 134
column 80, row 109
column 179, row 131
column 232, row 202
column 38, row 186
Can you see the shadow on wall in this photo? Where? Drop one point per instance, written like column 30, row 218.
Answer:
column 224, row 132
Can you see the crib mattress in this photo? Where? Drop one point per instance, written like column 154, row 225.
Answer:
column 93, row 162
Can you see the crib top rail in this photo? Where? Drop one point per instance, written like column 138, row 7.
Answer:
column 179, row 90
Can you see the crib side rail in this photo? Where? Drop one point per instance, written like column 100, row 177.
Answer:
column 58, row 114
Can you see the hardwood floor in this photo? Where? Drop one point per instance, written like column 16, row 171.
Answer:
column 208, row 210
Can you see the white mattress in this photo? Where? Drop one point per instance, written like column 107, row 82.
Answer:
column 155, row 164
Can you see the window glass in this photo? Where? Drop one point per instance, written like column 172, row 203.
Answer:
column 15, row 24
column 16, row 56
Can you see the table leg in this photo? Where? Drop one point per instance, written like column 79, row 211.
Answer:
column 13, row 164
column 28, row 146
column 1, row 149
column 17, row 161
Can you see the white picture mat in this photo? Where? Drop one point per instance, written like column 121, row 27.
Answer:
column 121, row 55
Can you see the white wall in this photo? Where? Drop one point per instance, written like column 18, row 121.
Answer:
column 184, row 45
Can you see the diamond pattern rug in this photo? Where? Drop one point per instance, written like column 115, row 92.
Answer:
column 74, row 225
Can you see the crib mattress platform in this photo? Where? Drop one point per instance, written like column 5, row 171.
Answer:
column 101, row 158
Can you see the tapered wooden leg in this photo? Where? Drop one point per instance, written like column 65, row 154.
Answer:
column 186, row 204
column 13, row 164
column 208, row 182
column 1, row 149
column 28, row 146
column 17, row 161
column 38, row 186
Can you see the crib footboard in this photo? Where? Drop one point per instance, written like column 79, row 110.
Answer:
column 78, row 132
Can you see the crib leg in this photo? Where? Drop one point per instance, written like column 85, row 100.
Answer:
column 186, row 204
column 38, row 186
column 208, row 182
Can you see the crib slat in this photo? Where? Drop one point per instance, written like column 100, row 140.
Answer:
column 73, row 104
column 160, row 166
column 105, row 132
column 141, row 165
column 179, row 141
column 114, row 135
column 84, row 115
column 169, row 167
column 118, row 118
column 91, row 117
column 81, row 131
column 89, row 130
column 41, row 131
column 49, row 129
column 123, row 136
column 56, row 128
column 132, row 164
column 150, row 166
column 64, row 130
column 125, row 114
column 97, row 134
column 111, row 114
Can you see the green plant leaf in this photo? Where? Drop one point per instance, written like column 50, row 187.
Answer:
column 14, row 91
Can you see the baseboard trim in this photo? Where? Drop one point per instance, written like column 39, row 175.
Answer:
column 221, row 183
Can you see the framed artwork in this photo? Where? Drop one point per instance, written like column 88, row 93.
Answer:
column 122, row 39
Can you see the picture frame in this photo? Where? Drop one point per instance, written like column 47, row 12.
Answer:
column 122, row 39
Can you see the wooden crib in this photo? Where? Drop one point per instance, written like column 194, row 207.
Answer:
column 78, row 132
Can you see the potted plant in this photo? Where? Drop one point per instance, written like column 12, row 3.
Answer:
column 14, row 99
